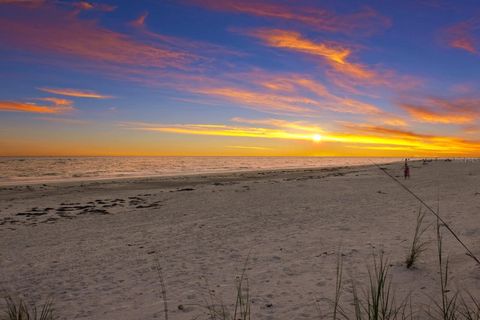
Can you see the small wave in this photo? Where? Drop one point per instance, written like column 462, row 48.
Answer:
column 88, row 168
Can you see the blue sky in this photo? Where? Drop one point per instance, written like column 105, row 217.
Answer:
column 207, row 77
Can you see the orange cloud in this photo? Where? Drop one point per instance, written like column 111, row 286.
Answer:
column 262, row 101
column 374, row 137
column 57, row 102
column 426, row 115
column 364, row 21
column 420, row 143
column 316, row 99
column 293, row 40
column 57, row 106
column 435, row 110
column 284, row 93
column 336, row 56
column 462, row 36
column 83, row 40
column 383, row 131
column 325, row 99
column 75, row 93
column 342, row 71
column 360, row 136
column 278, row 85
column 392, row 121
column 84, row 5
column 279, row 93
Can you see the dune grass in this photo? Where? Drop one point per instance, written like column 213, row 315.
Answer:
column 161, row 278
column 452, row 305
column 469, row 309
column 216, row 308
column 378, row 301
column 19, row 310
column 418, row 245
column 338, row 286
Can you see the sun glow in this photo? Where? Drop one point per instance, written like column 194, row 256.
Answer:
column 316, row 138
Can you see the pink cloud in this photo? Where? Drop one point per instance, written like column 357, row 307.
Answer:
column 365, row 21
column 80, row 40
column 464, row 35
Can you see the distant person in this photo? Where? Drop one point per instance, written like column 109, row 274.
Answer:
column 406, row 170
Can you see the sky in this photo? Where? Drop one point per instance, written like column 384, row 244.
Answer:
column 240, row 78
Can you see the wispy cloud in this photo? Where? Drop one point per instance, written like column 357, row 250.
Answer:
column 364, row 21
column 75, row 93
column 140, row 21
column 294, row 41
column 56, row 106
column 446, row 111
column 57, row 101
column 464, row 35
column 87, row 5
column 224, row 130
column 64, row 120
column 203, row 50
column 391, row 120
column 249, row 147
column 268, row 102
column 389, row 138
column 82, row 40
column 279, row 123
column 27, row 3
column 78, row 5
column 335, row 55
column 287, row 94
column 471, row 129
column 342, row 70
column 383, row 131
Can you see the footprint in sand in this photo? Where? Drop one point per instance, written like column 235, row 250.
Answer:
column 184, row 189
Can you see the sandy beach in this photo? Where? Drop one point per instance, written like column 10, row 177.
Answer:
column 91, row 246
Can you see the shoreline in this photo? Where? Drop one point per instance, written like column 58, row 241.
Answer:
column 180, row 175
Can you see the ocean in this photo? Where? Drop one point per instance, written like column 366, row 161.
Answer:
column 17, row 170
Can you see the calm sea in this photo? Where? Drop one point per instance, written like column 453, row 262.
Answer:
column 47, row 169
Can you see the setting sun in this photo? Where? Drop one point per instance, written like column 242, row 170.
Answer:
column 316, row 138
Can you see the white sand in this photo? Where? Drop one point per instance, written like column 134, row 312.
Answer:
column 101, row 266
